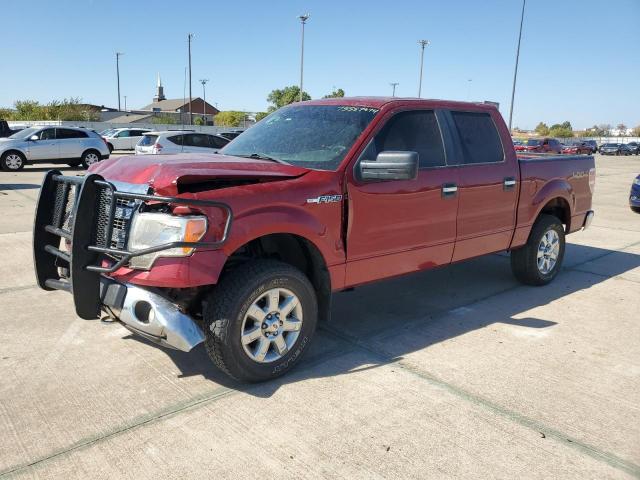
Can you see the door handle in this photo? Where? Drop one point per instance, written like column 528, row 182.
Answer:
column 449, row 190
column 509, row 183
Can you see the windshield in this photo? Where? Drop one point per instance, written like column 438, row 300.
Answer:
column 106, row 133
column 314, row 136
column 26, row 133
column 533, row 143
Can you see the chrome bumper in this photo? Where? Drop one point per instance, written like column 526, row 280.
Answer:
column 588, row 219
column 150, row 315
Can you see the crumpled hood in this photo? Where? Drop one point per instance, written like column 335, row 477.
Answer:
column 164, row 173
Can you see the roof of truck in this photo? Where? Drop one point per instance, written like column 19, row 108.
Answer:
column 378, row 102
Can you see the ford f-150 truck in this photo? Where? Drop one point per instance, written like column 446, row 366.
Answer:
column 242, row 250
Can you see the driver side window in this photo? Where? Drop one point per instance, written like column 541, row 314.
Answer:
column 412, row 131
column 47, row 134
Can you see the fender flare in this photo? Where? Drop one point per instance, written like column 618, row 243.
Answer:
column 556, row 188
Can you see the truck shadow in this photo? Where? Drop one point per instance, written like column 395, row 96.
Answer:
column 379, row 324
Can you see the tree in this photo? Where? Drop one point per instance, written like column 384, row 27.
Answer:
column 636, row 131
column 281, row 97
column 337, row 93
column 622, row 129
column 260, row 116
column 542, row 129
column 605, row 128
column 164, row 119
column 230, row 118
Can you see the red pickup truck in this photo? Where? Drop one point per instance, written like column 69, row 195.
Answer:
column 242, row 250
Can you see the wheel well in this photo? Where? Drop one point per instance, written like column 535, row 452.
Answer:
column 560, row 209
column 296, row 251
column 14, row 151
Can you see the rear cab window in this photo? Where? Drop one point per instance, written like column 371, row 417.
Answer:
column 478, row 137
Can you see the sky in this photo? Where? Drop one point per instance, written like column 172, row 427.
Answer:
column 579, row 59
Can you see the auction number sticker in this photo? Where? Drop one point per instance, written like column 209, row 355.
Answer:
column 358, row 109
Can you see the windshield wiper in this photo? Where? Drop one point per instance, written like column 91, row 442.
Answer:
column 260, row 156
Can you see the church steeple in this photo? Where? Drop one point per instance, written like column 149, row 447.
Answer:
column 159, row 91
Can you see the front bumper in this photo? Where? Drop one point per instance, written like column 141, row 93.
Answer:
column 149, row 315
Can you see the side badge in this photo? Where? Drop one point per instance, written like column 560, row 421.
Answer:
column 325, row 199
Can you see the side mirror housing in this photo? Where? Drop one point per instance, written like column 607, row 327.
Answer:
column 34, row 138
column 390, row 165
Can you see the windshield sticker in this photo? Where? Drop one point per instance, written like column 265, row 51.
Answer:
column 345, row 108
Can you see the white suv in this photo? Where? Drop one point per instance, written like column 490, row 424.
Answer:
column 179, row 141
column 74, row 146
column 124, row 138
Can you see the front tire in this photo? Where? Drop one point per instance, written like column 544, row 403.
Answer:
column 89, row 158
column 259, row 320
column 635, row 209
column 540, row 260
column 12, row 161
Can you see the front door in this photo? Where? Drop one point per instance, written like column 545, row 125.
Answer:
column 46, row 147
column 399, row 226
column 488, row 185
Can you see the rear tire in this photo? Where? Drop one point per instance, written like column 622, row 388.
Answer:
column 250, row 335
column 635, row 209
column 540, row 260
column 12, row 161
column 89, row 158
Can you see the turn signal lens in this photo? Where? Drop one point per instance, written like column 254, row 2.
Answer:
column 194, row 231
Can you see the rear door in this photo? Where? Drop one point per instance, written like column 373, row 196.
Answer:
column 197, row 143
column 70, row 142
column 45, row 148
column 399, row 226
column 488, row 184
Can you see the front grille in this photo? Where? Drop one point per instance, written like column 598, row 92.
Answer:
column 120, row 224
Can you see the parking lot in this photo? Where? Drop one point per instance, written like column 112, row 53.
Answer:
column 459, row 372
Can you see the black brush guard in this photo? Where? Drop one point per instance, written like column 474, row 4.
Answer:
column 92, row 216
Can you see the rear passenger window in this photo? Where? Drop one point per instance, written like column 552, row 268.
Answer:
column 177, row 139
column 414, row 131
column 217, row 142
column 196, row 140
column 67, row 133
column 478, row 137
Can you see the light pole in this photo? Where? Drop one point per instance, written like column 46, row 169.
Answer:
column 394, row 85
column 515, row 73
column 190, row 37
column 422, row 43
column 118, row 54
column 204, row 81
column 125, row 103
column 303, row 20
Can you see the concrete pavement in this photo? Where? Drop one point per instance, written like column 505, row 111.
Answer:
column 455, row 373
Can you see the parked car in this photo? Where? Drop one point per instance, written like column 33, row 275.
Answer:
column 518, row 145
column 634, row 147
column 124, row 138
column 241, row 250
column 176, row 141
column 593, row 144
column 576, row 148
column 615, row 149
column 74, row 146
column 544, row 145
column 230, row 135
column 634, row 196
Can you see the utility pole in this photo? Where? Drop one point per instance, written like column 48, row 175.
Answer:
column 118, row 54
column 515, row 73
column 394, row 85
column 190, row 37
column 303, row 20
column 422, row 43
column 125, row 103
column 204, row 81
column 469, row 80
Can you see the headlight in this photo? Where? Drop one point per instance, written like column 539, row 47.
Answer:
column 636, row 181
column 154, row 229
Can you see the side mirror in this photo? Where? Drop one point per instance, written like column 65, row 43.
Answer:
column 390, row 166
column 34, row 138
